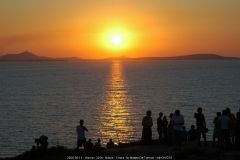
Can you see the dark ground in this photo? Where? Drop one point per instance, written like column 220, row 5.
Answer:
column 189, row 151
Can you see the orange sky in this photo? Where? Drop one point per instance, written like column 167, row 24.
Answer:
column 61, row 28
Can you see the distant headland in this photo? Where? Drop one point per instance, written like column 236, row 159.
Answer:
column 28, row 56
column 202, row 56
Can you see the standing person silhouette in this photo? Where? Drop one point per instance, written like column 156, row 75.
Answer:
column 225, row 123
column 81, row 139
column 160, row 125
column 216, row 130
column 232, row 124
column 178, row 123
column 237, row 129
column 170, row 130
column 165, row 127
column 201, row 126
column 147, row 124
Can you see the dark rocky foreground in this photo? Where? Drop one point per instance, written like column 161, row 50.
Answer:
column 135, row 150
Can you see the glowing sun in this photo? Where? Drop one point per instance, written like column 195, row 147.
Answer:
column 117, row 40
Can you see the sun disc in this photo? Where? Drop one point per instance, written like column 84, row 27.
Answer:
column 117, row 40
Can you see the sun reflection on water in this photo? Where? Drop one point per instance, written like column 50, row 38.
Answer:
column 115, row 113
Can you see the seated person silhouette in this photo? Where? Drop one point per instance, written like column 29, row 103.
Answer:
column 42, row 142
column 110, row 144
column 192, row 134
column 88, row 145
column 98, row 144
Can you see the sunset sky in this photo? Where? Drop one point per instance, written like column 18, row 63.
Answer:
column 132, row 28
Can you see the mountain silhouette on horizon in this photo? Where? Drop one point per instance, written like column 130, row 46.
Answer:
column 23, row 56
column 203, row 56
column 29, row 56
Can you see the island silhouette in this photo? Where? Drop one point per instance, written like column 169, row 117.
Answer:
column 29, row 56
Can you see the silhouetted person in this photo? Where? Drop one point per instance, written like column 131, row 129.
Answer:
column 225, row 121
column 88, row 145
column 98, row 144
column 192, row 134
column 160, row 125
column 201, row 126
column 42, row 142
column 184, row 134
column 170, row 129
column 170, row 125
column 33, row 148
column 237, row 129
column 81, row 139
column 165, row 127
column 147, row 124
column 110, row 144
column 178, row 123
column 216, row 130
column 232, row 124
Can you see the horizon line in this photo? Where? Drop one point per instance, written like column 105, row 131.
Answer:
column 122, row 57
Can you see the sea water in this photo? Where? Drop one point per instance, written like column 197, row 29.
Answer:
column 49, row 98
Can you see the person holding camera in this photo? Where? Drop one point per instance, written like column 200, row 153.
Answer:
column 81, row 139
column 201, row 126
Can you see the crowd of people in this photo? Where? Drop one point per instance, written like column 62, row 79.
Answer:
column 226, row 127
column 172, row 129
